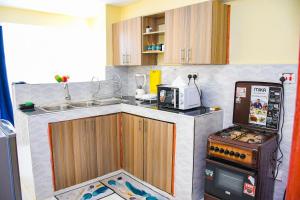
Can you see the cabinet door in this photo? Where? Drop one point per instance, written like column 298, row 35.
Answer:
column 84, row 144
column 120, row 42
column 158, row 154
column 175, row 36
column 108, row 144
column 134, row 41
column 61, row 138
column 132, row 145
column 200, row 34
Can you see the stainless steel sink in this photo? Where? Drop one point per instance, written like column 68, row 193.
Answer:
column 80, row 104
column 55, row 108
column 84, row 104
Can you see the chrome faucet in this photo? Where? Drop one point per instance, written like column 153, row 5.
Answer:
column 67, row 92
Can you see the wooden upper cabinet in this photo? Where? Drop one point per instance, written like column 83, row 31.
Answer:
column 159, row 154
column 133, row 144
column 176, row 35
column 197, row 34
column 127, row 42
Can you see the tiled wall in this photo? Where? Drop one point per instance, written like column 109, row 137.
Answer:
column 217, row 85
column 53, row 93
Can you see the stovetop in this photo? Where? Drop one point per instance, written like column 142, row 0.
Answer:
column 245, row 135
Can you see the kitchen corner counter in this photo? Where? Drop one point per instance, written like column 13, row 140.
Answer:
column 191, row 134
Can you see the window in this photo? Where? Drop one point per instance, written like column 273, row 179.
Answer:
column 35, row 54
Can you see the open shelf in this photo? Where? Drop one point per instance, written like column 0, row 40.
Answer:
column 148, row 52
column 154, row 32
column 155, row 37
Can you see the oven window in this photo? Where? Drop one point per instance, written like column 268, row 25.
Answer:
column 229, row 181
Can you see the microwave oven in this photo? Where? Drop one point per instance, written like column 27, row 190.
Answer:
column 181, row 98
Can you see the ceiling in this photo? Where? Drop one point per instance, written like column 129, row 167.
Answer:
column 82, row 8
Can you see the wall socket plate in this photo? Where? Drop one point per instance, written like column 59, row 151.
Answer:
column 290, row 78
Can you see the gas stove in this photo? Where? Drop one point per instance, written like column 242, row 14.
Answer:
column 244, row 135
column 241, row 159
column 239, row 145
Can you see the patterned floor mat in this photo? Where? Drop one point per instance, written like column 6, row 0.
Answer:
column 116, row 187
column 131, row 189
column 93, row 191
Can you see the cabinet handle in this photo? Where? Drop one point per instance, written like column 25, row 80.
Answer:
column 182, row 55
column 188, row 53
column 128, row 58
column 124, row 59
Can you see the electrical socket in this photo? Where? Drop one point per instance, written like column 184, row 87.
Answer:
column 289, row 78
column 195, row 73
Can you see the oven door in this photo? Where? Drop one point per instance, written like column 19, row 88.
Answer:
column 168, row 97
column 228, row 182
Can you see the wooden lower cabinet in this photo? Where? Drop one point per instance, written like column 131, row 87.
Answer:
column 132, row 145
column 61, row 139
column 84, row 149
column 107, row 144
column 158, row 154
column 148, row 150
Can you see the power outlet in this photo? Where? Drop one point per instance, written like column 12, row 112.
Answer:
column 290, row 78
column 197, row 74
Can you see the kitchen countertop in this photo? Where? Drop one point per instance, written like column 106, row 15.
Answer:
column 130, row 100
column 192, row 130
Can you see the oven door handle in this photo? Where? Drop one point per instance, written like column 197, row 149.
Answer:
column 175, row 102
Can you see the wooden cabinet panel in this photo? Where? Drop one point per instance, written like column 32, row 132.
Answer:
column 175, row 36
column 158, row 154
column 62, row 154
column 117, row 43
column 220, row 27
column 127, row 42
column 108, row 144
column 200, row 33
column 134, row 41
column 197, row 34
column 132, row 145
column 84, row 144
column 84, row 149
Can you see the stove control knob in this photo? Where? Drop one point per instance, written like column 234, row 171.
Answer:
column 226, row 152
column 221, row 150
column 237, row 154
column 242, row 156
column 216, row 149
column 212, row 148
column 231, row 153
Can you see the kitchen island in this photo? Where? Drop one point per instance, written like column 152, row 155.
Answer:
column 191, row 132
